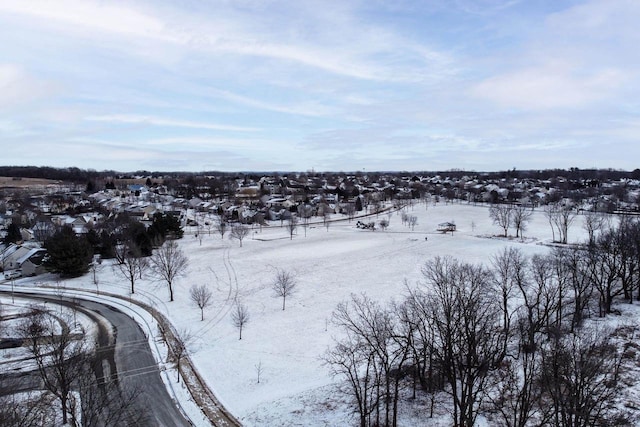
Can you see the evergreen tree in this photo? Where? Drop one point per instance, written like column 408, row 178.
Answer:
column 107, row 245
column 93, row 238
column 68, row 254
column 142, row 238
column 165, row 226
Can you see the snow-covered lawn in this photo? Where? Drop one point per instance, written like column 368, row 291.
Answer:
column 329, row 265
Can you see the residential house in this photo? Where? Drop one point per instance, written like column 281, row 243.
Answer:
column 27, row 258
column 31, row 263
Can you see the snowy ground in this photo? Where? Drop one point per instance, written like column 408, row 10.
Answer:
column 329, row 264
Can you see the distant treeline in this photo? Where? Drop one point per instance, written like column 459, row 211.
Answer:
column 77, row 175
column 44, row 172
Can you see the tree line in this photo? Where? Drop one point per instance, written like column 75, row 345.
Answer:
column 509, row 341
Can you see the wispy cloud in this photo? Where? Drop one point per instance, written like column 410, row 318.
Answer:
column 550, row 86
column 580, row 57
column 18, row 87
column 92, row 15
column 236, row 36
column 163, row 122
column 484, row 7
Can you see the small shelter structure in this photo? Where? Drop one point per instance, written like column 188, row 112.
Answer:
column 445, row 227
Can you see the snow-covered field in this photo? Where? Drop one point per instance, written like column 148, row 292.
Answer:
column 328, row 264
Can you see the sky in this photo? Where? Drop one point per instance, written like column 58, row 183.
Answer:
column 322, row 85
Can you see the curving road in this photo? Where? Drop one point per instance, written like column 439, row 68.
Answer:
column 125, row 354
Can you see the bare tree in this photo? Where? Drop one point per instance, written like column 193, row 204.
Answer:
column 572, row 267
column 426, row 369
column 292, row 224
column 350, row 210
column 593, row 223
column 604, row 269
column 201, row 296
column 130, row 266
column 43, row 229
column 259, row 370
column 560, row 217
column 384, row 343
column 59, row 354
column 551, row 213
column 178, row 343
column 208, row 223
column 580, row 379
column 200, row 230
column 305, row 212
column 508, row 271
column 351, row 359
column 107, row 402
column 404, row 217
column 221, row 226
column 168, row 263
column 378, row 206
column 517, row 394
column 96, row 268
column 468, row 334
column 412, row 220
column 284, row 285
column 501, row 215
column 240, row 317
column 521, row 215
column 384, row 223
column 24, row 409
column 239, row 232
column 542, row 295
column 566, row 217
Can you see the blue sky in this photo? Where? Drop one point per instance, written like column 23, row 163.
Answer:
column 231, row 85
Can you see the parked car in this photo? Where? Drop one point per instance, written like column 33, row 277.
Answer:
column 12, row 274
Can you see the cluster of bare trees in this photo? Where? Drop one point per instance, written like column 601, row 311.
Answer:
column 508, row 341
column 506, row 216
column 167, row 263
column 560, row 217
column 57, row 354
column 409, row 220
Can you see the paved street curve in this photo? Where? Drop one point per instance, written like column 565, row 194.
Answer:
column 125, row 353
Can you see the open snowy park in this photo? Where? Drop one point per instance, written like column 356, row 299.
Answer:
column 275, row 374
